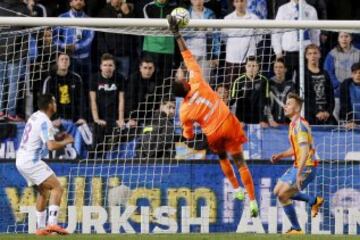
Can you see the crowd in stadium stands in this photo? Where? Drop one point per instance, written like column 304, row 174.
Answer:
column 108, row 78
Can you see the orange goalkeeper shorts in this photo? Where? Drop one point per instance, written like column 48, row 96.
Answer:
column 229, row 137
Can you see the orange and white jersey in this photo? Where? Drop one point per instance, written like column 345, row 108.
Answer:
column 202, row 104
column 300, row 133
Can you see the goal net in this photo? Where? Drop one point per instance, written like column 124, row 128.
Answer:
column 143, row 177
column 336, row 179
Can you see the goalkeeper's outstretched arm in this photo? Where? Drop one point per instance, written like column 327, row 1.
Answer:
column 181, row 42
column 174, row 28
column 190, row 62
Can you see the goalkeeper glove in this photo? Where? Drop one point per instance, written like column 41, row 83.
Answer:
column 173, row 24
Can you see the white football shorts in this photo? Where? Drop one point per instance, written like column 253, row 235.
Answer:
column 34, row 173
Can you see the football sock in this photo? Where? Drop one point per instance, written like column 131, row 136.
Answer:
column 229, row 173
column 247, row 180
column 290, row 212
column 41, row 219
column 53, row 214
column 304, row 197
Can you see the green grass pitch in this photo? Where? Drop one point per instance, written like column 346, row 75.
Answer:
column 215, row 236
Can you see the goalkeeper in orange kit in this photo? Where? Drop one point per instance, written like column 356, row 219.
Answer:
column 223, row 130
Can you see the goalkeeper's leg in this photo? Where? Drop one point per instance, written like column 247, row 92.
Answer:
column 229, row 173
column 247, row 180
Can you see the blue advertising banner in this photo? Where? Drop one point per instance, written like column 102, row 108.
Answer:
column 330, row 143
column 191, row 196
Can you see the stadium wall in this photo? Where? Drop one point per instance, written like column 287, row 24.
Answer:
column 197, row 200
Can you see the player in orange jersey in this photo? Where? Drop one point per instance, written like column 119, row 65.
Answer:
column 303, row 172
column 223, row 130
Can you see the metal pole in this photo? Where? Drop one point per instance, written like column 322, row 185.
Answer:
column 208, row 23
column 301, row 70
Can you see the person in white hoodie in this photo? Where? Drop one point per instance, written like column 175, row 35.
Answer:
column 240, row 43
column 286, row 43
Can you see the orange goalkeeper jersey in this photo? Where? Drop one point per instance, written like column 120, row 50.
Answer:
column 201, row 105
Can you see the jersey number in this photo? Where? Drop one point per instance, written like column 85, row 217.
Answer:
column 208, row 104
column 26, row 133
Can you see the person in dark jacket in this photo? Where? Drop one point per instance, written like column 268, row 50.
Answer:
column 319, row 94
column 280, row 87
column 140, row 85
column 67, row 87
column 350, row 98
column 250, row 92
column 158, row 139
column 121, row 46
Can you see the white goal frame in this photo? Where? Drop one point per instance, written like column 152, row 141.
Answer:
column 214, row 23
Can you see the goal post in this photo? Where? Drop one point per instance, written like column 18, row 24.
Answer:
column 209, row 23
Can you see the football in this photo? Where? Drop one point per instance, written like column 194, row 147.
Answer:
column 182, row 15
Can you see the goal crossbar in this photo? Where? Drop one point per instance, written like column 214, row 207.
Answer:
column 213, row 23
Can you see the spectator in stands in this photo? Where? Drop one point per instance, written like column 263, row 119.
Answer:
column 42, row 54
column 250, row 94
column 338, row 64
column 121, row 46
column 13, row 54
column 76, row 42
column 140, row 85
column 322, row 12
column 107, row 98
column 219, row 7
column 201, row 42
column 280, row 87
column 286, row 44
column 350, row 98
column 157, row 139
column 223, row 91
column 321, row 6
column 238, row 47
column 67, row 87
column 319, row 94
column 258, row 7
column 160, row 48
